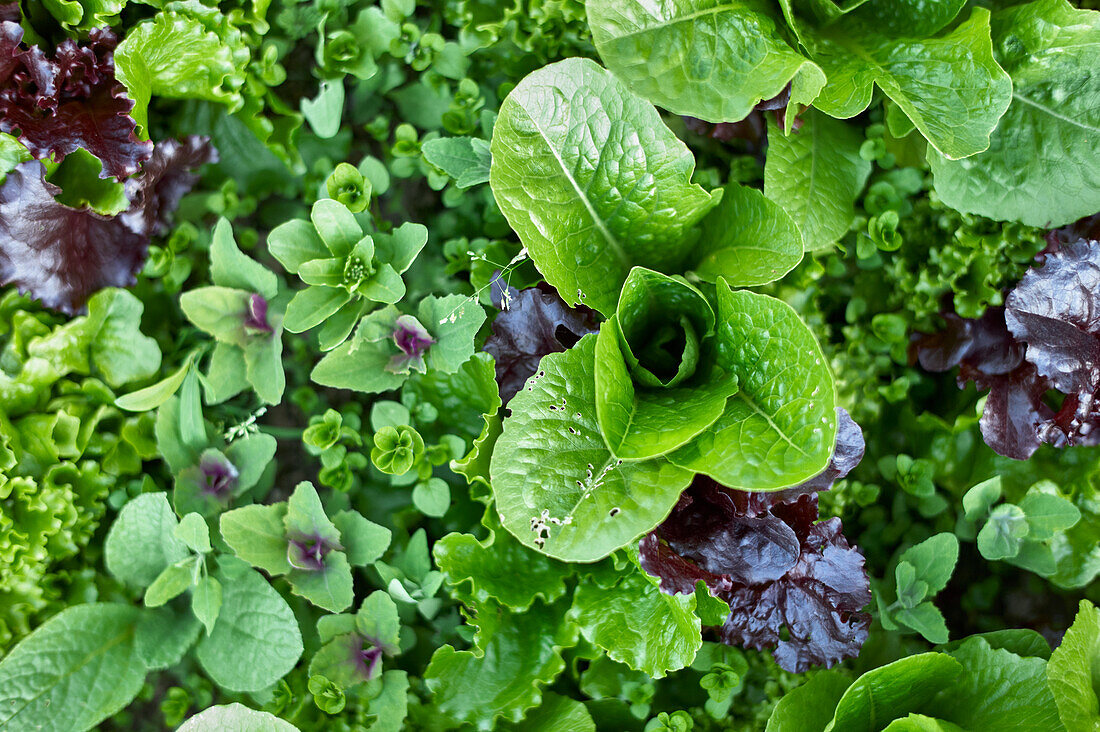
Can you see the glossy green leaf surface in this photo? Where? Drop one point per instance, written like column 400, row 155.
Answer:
column 585, row 216
column 711, row 59
column 780, row 427
column 1042, row 166
column 557, row 487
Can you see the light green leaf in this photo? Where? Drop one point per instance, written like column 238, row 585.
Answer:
column 358, row 364
column 809, row 707
column 225, row 374
column 325, row 111
column 219, row 311
column 255, row 641
column 747, row 239
column 487, row 571
column 235, row 718
column 400, row 248
column 141, row 542
column 999, row 690
column 556, row 714
column 921, row 723
column 1073, row 673
column 312, row 306
column 432, row 497
column 1047, row 512
column 194, row 532
column 926, row 619
column 585, row 214
column 637, row 624
column 153, row 396
column 336, row 226
column 948, row 86
column 933, row 560
column 305, row 516
column 711, row 59
column 377, row 618
column 454, row 321
column 1003, row 533
column 256, row 534
column 173, row 581
column 909, row 18
column 892, row 691
column 206, row 602
column 329, row 587
column 163, row 636
column 978, row 501
column 119, row 350
column 364, row 541
column 53, row 679
column 250, row 455
column 263, row 359
column 464, row 159
column 515, row 656
column 815, row 175
column 1043, row 165
column 557, row 487
column 780, row 428
column 230, row 267
column 391, row 706
column 174, row 56
column 296, row 242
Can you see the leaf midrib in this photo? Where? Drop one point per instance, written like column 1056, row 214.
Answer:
column 771, row 423
column 100, row 651
column 1047, row 110
column 599, row 223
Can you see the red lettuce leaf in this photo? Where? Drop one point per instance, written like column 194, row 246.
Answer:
column 63, row 255
column 532, row 323
column 58, row 105
column 1046, row 338
column 784, row 574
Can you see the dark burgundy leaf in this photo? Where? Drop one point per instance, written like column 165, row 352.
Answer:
column 531, row 324
column 62, row 255
column 1046, row 338
column 9, row 12
column 678, row 575
column 1055, row 310
column 784, row 574
column 165, row 178
column 58, row 254
column 57, row 106
column 818, row 602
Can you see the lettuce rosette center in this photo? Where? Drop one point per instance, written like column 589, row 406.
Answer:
column 657, row 382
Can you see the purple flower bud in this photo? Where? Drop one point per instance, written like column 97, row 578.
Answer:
column 219, row 476
column 256, row 321
column 308, row 552
column 414, row 341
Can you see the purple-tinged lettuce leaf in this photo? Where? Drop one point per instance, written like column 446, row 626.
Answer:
column 532, row 323
column 58, row 105
column 1047, row 337
column 791, row 583
column 62, row 255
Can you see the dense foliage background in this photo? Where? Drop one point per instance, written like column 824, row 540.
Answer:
column 275, row 270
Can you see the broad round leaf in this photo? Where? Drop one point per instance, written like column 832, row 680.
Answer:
column 557, row 487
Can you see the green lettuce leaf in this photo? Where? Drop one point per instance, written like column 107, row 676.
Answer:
column 711, row 59
column 1073, row 672
column 585, row 213
column 1043, row 164
column 557, row 487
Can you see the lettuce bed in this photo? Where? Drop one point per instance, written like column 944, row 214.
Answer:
column 550, row 365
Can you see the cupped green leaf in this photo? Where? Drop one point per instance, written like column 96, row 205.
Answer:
column 809, row 707
column 643, row 423
column 637, row 624
column 892, row 691
column 747, row 239
column 557, row 487
column 1043, row 165
column 585, row 213
column 54, row 679
column 815, row 175
column 949, row 86
column 780, row 427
